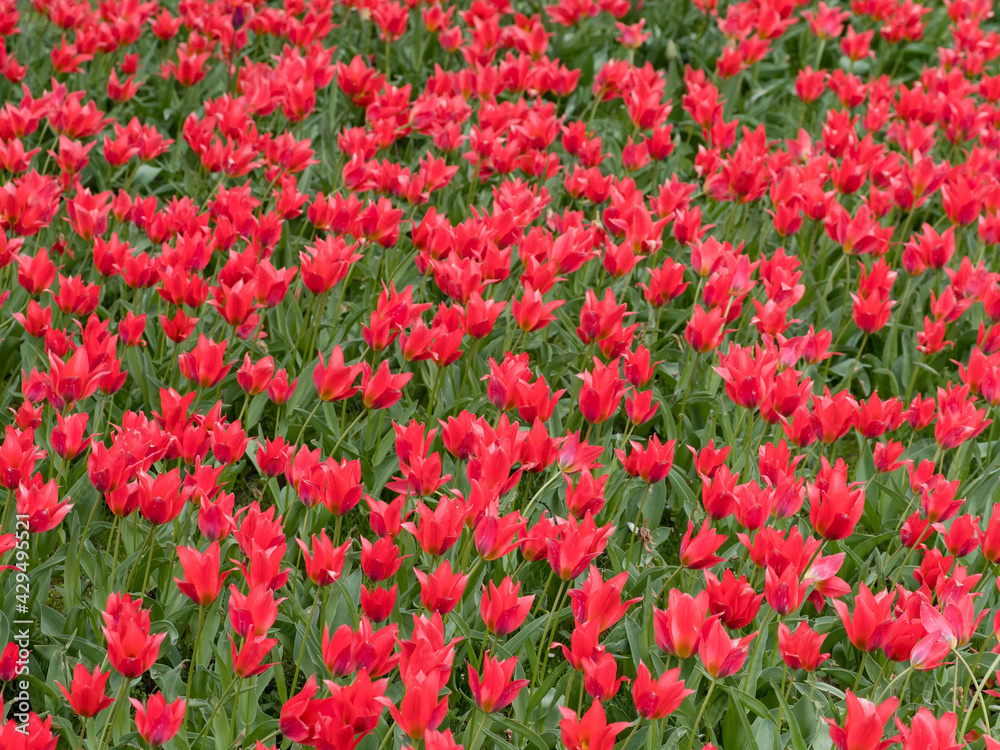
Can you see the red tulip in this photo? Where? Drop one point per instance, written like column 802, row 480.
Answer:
column 335, row 381
column 868, row 621
column 863, row 725
column 377, row 603
column 599, row 600
column 591, row 732
column 204, row 364
column 601, row 392
column 576, row 546
column 835, row 506
column 502, row 609
column 201, row 569
column 380, row 560
column 801, row 649
column 382, row 389
column 253, row 613
column 600, row 676
column 495, row 689
column 420, row 708
column 247, row 659
column 131, row 648
column 698, row 553
column 721, row 654
column 67, row 436
column 441, row 591
column 86, row 694
column 678, row 629
column 39, row 506
column 157, row 722
column 657, row 699
column 927, row 731
column 326, row 562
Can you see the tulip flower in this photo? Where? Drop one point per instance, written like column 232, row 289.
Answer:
column 600, row 676
column 864, row 724
column 868, row 621
column 132, row 650
column 601, row 392
column 502, row 610
column 698, row 553
column 377, row 603
column 657, row 699
column 576, row 546
column 335, row 381
column 801, row 649
column 721, row 654
column 38, row 503
column 589, row 732
column 441, row 591
column 201, row 570
column 677, row 630
column 495, row 689
column 927, row 731
column 86, row 695
column 438, row 528
column 835, row 506
column 247, row 659
column 204, row 364
column 735, row 602
column 420, row 708
column 381, row 560
column 382, row 389
column 158, row 721
column 68, row 435
column 599, row 600
column 325, row 563
column 254, row 377
column 253, row 613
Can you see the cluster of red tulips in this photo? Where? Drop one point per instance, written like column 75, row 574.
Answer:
column 629, row 424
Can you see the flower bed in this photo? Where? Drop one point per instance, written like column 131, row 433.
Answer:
column 592, row 375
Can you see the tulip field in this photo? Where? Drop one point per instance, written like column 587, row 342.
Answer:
column 500, row 375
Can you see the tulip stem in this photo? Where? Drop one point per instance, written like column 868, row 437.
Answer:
column 545, row 630
column 669, row 579
column 635, row 524
column 191, row 666
column 336, row 531
column 236, row 704
column 979, row 697
column 308, row 420
column 538, row 601
column 321, row 308
column 687, row 383
column 218, row 704
column 346, row 432
column 434, row 391
column 746, row 460
column 861, row 671
column 305, row 637
column 753, row 657
column 857, row 360
column 107, row 547
column 147, row 543
column 531, row 503
column 635, row 729
column 479, row 731
column 119, row 699
column 114, row 558
column 243, row 411
column 618, row 500
column 10, row 501
column 701, row 712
